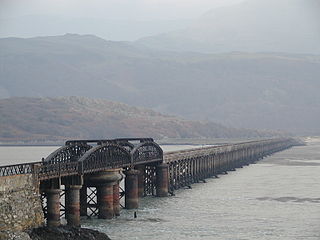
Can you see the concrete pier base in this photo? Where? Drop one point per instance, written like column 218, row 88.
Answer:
column 73, row 205
column 53, row 205
column 131, row 189
column 162, row 180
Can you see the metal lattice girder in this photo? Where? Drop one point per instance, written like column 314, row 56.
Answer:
column 147, row 152
column 43, row 198
column 68, row 153
column 16, row 169
column 121, row 195
column 62, row 203
column 103, row 157
column 150, row 180
column 92, row 203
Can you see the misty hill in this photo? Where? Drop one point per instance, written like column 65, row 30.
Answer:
column 251, row 26
column 41, row 119
column 266, row 91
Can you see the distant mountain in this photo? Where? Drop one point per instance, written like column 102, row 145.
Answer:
column 252, row 26
column 48, row 25
column 44, row 119
column 245, row 90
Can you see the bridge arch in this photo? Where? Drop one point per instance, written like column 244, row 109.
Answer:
column 127, row 145
column 68, row 153
column 147, row 152
column 104, row 156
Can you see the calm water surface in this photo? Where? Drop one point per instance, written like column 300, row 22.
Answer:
column 277, row 198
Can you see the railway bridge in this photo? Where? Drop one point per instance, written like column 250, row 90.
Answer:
column 82, row 178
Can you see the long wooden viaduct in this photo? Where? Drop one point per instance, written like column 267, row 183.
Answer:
column 82, row 178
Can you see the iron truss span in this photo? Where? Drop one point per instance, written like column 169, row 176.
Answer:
column 78, row 157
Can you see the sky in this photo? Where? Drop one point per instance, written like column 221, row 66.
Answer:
column 119, row 20
column 110, row 19
column 113, row 9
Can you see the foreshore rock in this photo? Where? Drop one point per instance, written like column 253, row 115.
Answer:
column 14, row 235
column 66, row 233
column 59, row 233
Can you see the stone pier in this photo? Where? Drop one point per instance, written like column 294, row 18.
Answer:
column 73, row 205
column 106, row 183
column 131, row 189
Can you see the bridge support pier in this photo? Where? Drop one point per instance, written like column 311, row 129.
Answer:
column 116, row 199
column 53, row 205
column 73, row 205
column 131, row 189
column 141, row 169
column 105, row 182
column 105, row 201
column 162, row 180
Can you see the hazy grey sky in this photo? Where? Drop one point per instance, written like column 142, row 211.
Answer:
column 112, row 9
column 110, row 19
column 121, row 19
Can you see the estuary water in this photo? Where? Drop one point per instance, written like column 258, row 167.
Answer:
column 277, row 198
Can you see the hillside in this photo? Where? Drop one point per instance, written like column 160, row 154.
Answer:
column 250, row 26
column 274, row 91
column 50, row 119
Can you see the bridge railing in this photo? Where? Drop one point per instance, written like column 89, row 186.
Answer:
column 17, row 169
column 62, row 169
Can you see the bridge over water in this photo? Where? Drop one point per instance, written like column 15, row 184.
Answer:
column 82, row 178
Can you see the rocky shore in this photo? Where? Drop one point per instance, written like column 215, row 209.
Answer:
column 59, row 233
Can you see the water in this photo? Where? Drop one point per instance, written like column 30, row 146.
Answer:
column 23, row 154
column 277, row 198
